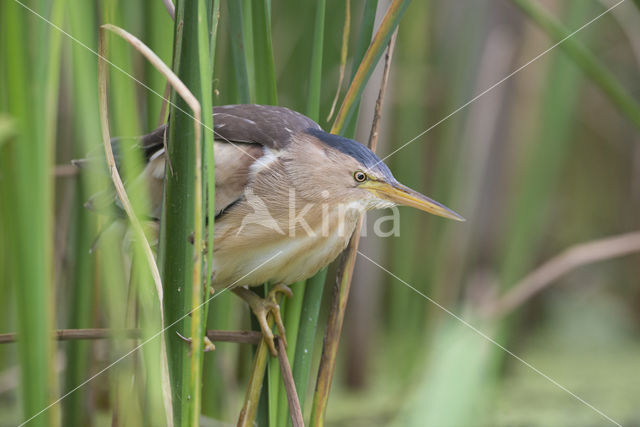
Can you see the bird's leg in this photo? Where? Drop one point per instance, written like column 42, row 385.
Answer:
column 261, row 307
column 273, row 293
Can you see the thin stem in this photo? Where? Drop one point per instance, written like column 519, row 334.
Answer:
column 239, row 49
column 291, row 317
column 252, row 397
column 380, row 40
column 343, row 55
column 242, row 337
column 264, row 71
column 341, row 288
column 377, row 114
column 343, row 279
column 315, row 75
column 575, row 256
column 289, row 385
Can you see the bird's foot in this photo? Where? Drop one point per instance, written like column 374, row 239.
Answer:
column 208, row 345
column 262, row 307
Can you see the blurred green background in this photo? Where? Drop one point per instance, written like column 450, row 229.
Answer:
column 546, row 159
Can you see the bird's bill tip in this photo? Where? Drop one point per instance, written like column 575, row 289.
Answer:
column 403, row 195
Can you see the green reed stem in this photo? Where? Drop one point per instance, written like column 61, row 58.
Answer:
column 265, row 77
column 362, row 43
column 238, row 50
column 314, row 288
column 198, row 313
column 183, row 216
column 86, row 264
column 315, row 75
column 31, row 99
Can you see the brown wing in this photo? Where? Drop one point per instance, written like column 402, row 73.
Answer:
column 259, row 124
column 265, row 125
column 233, row 162
column 241, row 133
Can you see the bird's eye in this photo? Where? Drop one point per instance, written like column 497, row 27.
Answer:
column 359, row 176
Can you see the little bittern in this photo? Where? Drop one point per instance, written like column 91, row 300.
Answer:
column 284, row 186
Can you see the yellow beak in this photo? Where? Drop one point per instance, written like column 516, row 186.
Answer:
column 403, row 195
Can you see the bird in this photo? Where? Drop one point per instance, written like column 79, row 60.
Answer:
column 286, row 192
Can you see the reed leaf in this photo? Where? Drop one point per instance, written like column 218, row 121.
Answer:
column 547, row 151
column 176, row 254
column 372, row 56
column 584, row 59
column 309, row 315
column 159, row 40
column 239, row 45
column 343, row 56
column 264, row 70
column 206, row 73
column 315, row 74
column 203, row 187
column 83, row 297
column 362, row 44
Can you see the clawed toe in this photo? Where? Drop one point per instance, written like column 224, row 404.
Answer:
column 262, row 307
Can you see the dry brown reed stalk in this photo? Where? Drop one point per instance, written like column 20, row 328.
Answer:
column 252, row 397
column 342, row 283
column 289, row 385
column 241, row 337
column 573, row 257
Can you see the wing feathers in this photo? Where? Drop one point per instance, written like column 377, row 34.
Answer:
column 259, row 124
column 243, row 134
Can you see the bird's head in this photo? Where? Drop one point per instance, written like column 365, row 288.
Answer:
column 353, row 174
